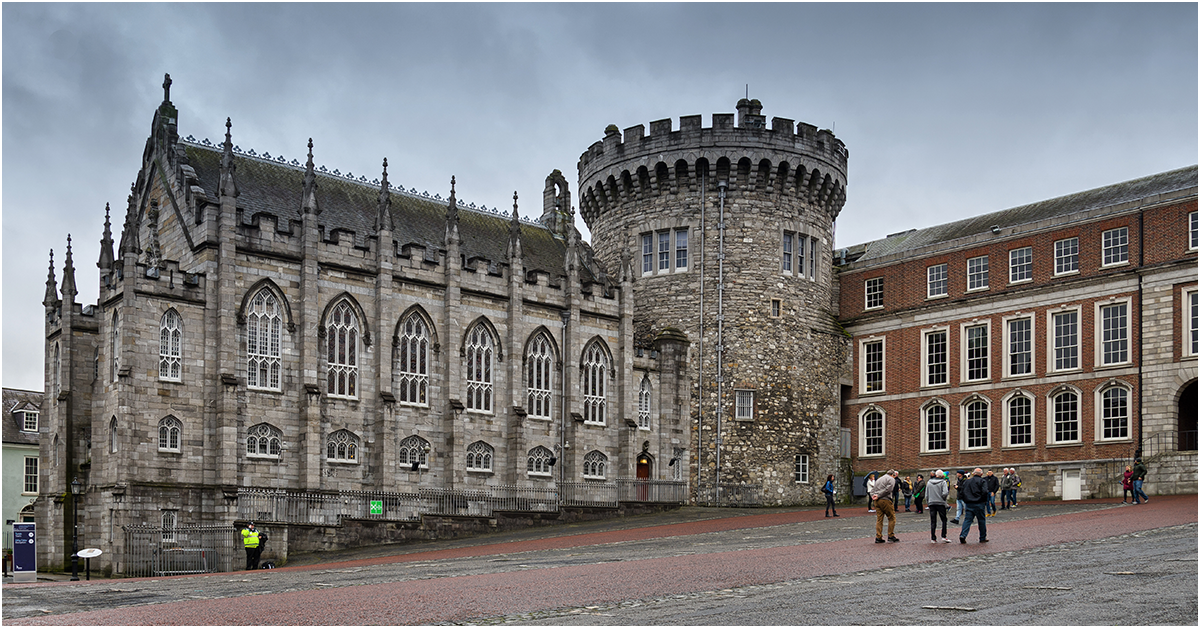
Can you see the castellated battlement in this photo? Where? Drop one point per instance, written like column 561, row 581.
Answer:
column 789, row 158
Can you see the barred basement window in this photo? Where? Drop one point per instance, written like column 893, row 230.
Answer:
column 802, row 468
column 744, row 405
column 170, row 520
column 538, row 462
column 539, row 387
column 594, row 375
column 341, row 336
column 644, row 404
column 264, row 441
column 170, row 339
column 479, row 457
column 413, row 449
column 342, row 447
column 479, row 370
column 1066, row 256
column 413, row 362
column 264, row 326
column 169, row 430
column 593, row 465
column 1116, row 246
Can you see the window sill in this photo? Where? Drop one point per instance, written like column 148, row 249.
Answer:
column 1075, row 443
column 974, row 450
column 535, row 474
column 539, row 418
column 873, row 309
column 594, row 478
column 481, row 471
column 973, row 290
column 1020, row 281
column 1114, row 441
column 1115, row 264
column 1117, row 365
column 1066, row 273
column 940, row 452
column 872, row 456
column 594, row 423
column 260, row 457
column 871, row 393
column 265, row 391
column 353, row 463
column 935, row 386
column 937, row 296
column 1010, row 378
column 1018, row 447
column 1064, row 371
column 170, row 451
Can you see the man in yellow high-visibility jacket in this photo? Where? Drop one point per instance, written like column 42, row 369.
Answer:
column 250, row 539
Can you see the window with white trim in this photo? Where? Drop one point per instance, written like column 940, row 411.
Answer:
column 871, row 429
column 1192, row 233
column 977, row 273
column 976, row 424
column 170, row 429
column 681, row 249
column 975, row 353
column 937, row 280
column 412, row 362
column 479, row 457
column 872, row 366
column 935, row 357
column 644, row 404
column 264, row 441
column 1065, row 337
column 30, row 486
column 793, row 257
column 29, row 421
column 647, row 253
column 593, row 465
column 342, row 446
column 1116, row 246
column 787, row 262
column 1113, row 323
column 341, row 357
column 169, row 520
column 874, row 287
column 594, row 376
column 664, row 251
column 537, row 463
column 743, row 405
column 1064, row 406
column 1191, row 317
column 936, row 428
column 264, row 329
column 479, row 354
column 1066, row 256
column 801, row 468
column 1019, row 332
column 413, row 449
column 1020, row 264
column 539, row 382
column 1018, row 429
column 170, row 341
column 1114, row 413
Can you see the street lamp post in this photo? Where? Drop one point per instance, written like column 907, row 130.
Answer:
column 76, row 491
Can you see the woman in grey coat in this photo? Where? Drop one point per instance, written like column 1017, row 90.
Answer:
column 936, row 491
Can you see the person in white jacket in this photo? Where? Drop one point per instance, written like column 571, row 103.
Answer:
column 870, row 490
column 937, row 490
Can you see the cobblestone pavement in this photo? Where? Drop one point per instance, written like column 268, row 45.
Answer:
column 689, row 567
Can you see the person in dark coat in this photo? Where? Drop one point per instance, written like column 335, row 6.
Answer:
column 993, row 484
column 906, row 488
column 961, row 477
column 829, row 491
column 919, row 493
column 1138, row 477
column 974, row 496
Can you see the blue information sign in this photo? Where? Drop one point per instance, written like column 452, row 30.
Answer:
column 24, row 548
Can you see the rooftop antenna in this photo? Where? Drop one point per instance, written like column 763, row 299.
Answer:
column 747, row 91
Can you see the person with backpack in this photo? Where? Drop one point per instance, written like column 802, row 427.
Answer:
column 1138, row 477
column 937, row 491
column 1005, row 486
column 906, row 487
column 919, row 493
column 829, row 491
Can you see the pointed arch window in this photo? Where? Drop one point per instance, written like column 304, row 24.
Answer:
column 114, row 363
column 112, row 437
column 413, row 449
column 480, row 351
column 169, row 431
column 644, row 404
column 594, row 464
column 342, row 446
column 56, row 373
column 341, row 356
column 412, row 366
column 264, row 327
column 594, row 382
column 264, row 441
column 479, row 457
column 539, row 366
column 170, row 342
column 538, row 463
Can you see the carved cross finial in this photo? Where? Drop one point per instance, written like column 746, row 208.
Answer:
column 309, row 164
column 514, row 202
column 166, row 88
column 452, row 184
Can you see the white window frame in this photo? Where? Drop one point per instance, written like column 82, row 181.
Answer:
column 744, row 404
column 341, row 351
column 479, row 372
column 172, row 429
column 978, row 273
column 680, row 240
column 264, row 340
column 645, row 397
column 937, row 277
column 341, row 447
column 412, row 362
column 537, row 462
column 170, row 346
column 925, row 431
column 1052, row 338
column 169, row 518
column 1066, row 256
column 1193, row 234
column 595, row 465
column 1020, row 265
column 1052, row 416
column 1008, row 345
column 1190, row 319
column 964, row 351
column 864, row 386
column 788, row 260
column 264, row 433
column 412, row 447
column 925, row 362
column 26, row 417
column 1101, row 340
column 28, row 476
column 539, row 378
column 873, row 293
column 801, row 469
column 1006, row 408
column 964, row 426
column 1114, row 247
column 480, row 456
column 593, row 375
column 863, row 438
column 647, row 241
column 1101, row 409
column 812, row 258
column 663, row 239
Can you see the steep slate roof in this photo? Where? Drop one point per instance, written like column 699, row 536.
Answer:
column 1115, row 194
column 20, row 400
column 275, row 188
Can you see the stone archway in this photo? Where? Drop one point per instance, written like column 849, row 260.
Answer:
column 1186, row 436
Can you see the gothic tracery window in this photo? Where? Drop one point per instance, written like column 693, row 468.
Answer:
column 413, row 449
column 170, row 341
column 594, row 383
column 480, row 351
column 169, row 431
column 264, row 328
column 539, row 363
column 342, row 446
column 644, row 404
column 538, row 462
column 264, row 441
column 479, row 456
column 341, row 357
column 412, row 366
column 593, row 465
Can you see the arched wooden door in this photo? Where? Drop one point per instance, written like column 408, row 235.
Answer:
column 644, row 464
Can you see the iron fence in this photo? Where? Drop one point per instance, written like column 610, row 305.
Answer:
column 187, row 549
column 641, row 490
column 589, row 494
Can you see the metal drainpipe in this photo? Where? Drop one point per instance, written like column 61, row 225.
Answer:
column 721, row 185
column 562, row 432
column 700, row 370
column 1141, row 309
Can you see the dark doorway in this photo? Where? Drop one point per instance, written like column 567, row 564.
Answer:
column 643, row 476
column 1187, row 418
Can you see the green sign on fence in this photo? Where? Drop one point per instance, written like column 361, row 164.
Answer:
column 377, row 506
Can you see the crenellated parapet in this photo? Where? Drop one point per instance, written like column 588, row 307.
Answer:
column 789, row 158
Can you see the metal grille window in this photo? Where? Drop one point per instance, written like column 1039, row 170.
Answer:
column 539, row 363
column 31, row 475
column 744, row 404
column 1020, row 347
column 874, row 293
column 935, row 358
column 1114, row 322
column 593, row 465
column 647, row 253
column 1020, row 421
column 479, row 370
column 789, row 239
column 644, row 404
column 873, row 366
column 664, row 250
column 413, row 449
column 594, row 374
column 872, row 433
column 937, row 280
column 1116, row 246
column 1020, row 264
column 977, row 273
column 681, row 249
column 170, row 339
column 341, row 335
column 1066, row 256
column 538, row 461
column 342, row 447
column 264, row 326
column 1066, row 340
column 936, row 428
column 977, row 424
column 977, row 352
column 264, row 441
column 169, row 431
column 29, row 421
column 1115, row 408
column 479, row 456
column 169, row 520
column 802, row 468
column 412, row 368
column 1066, row 417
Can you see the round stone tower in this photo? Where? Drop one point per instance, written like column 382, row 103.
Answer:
column 728, row 233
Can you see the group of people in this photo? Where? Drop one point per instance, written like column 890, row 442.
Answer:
column 1132, row 483
column 975, row 497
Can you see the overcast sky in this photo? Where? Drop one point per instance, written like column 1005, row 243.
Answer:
column 948, row 110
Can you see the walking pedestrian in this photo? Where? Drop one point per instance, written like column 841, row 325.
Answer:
column 1005, row 487
column 1127, row 484
column 896, row 490
column 884, row 504
column 937, row 490
column 250, row 540
column 829, row 489
column 960, row 476
column 870, row 481
column 919, row 493
column 974, row 495
column 906, row 488
column 1016, row 486
column 993, row 485
column 1138, row 477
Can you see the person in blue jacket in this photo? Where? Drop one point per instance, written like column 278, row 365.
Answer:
column 829, row 491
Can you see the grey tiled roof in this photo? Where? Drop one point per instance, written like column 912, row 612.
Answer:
column 275, row 188
column 1166, row 182
column 20, row 400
